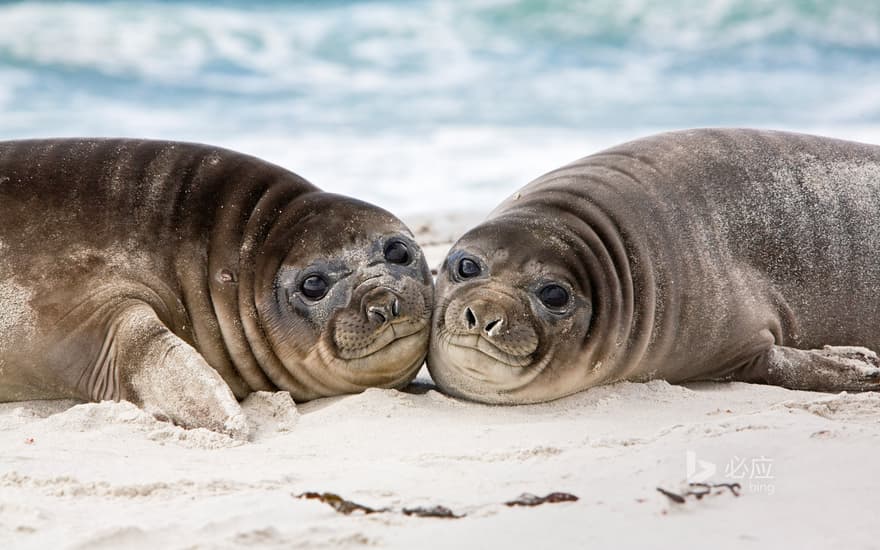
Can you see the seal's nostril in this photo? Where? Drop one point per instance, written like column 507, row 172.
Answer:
column 470, row 317
column 496, row 324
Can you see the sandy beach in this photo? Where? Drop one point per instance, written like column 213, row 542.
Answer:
column 110, row 476
column 437, row 110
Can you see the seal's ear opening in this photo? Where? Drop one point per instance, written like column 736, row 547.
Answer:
column 226, row 276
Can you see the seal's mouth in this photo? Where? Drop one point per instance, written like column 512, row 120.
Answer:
column 391, row 365
column 479, row 344
column 386, row 337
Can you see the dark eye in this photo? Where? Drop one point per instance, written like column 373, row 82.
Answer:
column 314, row 287
column 397, row 253
column 553, row 296
column 468, row 268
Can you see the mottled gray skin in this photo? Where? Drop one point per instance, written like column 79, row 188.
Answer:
column 692, row 255
column 169, row 275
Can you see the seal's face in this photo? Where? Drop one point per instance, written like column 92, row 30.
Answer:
column 350, row 305
column 508, row 321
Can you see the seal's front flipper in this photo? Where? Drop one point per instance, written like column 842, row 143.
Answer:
column 156, row 370
column 832, row 369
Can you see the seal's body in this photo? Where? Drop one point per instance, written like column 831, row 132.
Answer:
column 169, row 274
column 703, row 254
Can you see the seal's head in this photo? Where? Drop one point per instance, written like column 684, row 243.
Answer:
column 514, row 307
column 344, row 296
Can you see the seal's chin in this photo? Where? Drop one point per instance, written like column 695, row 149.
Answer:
column 387, row 336
column 463, row 344
column 470, row 367
column 391, row 361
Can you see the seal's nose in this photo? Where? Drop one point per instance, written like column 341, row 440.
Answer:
column 481, row 318
column 381, row 306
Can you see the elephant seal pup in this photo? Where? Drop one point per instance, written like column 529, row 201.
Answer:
column 692, row 255
column 181, row 277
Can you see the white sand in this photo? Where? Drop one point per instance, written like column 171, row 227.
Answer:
column 110, row 476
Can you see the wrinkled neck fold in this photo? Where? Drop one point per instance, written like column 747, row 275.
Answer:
column 240, row 241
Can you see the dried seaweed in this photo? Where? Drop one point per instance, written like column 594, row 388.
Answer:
column 699, row 491
column 674, row 497
column 339, row 504
column 348, row 507
column 528, row 499
column 431, row 512
column 707, row 488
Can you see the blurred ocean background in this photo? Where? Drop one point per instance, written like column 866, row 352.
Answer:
column 427, row 106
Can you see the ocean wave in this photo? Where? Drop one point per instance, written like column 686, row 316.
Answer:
column 488, row 89
column 488, row 52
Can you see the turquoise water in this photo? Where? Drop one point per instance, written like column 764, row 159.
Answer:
column 419, row 105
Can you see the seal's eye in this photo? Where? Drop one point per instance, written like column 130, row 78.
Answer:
column 397, row 253
column 468, row 268
column 553, row 296
column 314, row 287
